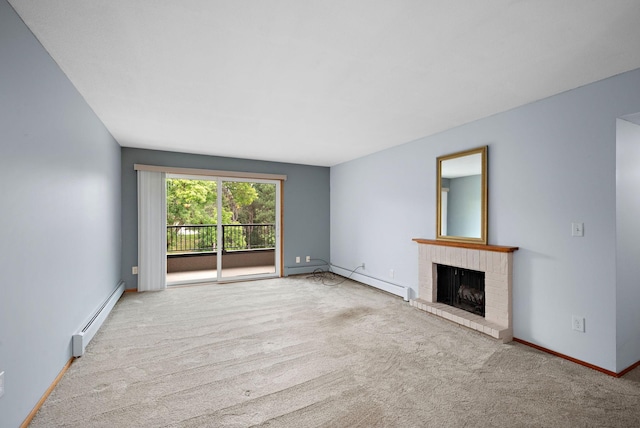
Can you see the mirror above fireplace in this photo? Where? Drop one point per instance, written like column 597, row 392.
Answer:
column 462, row 196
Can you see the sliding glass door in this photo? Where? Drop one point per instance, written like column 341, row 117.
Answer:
column 222, row 229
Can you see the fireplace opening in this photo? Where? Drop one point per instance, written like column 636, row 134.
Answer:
column 461, row 288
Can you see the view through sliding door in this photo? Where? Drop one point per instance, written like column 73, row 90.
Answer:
column 248, row 234
column 222, row 229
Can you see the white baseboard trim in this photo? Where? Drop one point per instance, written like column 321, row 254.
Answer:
column 389, row 287
column 81, row 339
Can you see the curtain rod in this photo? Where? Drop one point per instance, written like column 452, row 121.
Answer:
column 209, row 172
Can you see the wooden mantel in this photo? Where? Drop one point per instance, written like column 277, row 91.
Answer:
column 469, row 245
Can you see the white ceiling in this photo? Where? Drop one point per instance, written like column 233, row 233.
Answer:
column 325, row 81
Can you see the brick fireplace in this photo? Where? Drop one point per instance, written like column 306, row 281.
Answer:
column 497, row 264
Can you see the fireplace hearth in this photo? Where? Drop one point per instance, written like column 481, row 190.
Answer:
column 461, row 288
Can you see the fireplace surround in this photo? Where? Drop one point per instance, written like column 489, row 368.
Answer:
column 496, row 262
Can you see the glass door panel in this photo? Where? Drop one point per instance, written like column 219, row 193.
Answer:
column 191, row 229
column 249, row 228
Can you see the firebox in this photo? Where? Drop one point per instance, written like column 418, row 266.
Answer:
column 461, row 288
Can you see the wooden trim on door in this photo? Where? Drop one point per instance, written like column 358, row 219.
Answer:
column 281, row 228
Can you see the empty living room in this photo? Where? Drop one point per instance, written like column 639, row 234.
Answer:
column 303, row 214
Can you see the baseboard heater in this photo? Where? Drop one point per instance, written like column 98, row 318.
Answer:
column 91, row 327
column 389, row 287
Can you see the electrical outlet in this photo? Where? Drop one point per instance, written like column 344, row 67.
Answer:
column 134, row 270
column 298, row 259
column 391, row 273
column 578, row 323
column 1, row 383
column 308, row 259
column 362, row 265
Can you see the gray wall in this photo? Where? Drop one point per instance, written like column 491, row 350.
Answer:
column 628, row 242
column 551, row 163
column 306, row 204
column 60, row 217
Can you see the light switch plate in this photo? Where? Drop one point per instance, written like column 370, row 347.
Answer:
column 577, row 229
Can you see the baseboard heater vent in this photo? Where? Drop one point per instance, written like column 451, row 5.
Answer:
column 91, row 327
column 389, row 287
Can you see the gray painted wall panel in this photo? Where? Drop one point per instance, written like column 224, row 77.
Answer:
column 628, row 242
column 60, row 216
column 551, row 163
column 305, row 192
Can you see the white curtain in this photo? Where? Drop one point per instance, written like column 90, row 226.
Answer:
column 152, row 231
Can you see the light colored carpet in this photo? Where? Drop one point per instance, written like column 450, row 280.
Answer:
column 292, row 352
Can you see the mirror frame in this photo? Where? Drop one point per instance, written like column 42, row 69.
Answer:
column 483, row 209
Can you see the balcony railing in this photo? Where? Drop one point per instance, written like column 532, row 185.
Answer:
column 202, row 238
